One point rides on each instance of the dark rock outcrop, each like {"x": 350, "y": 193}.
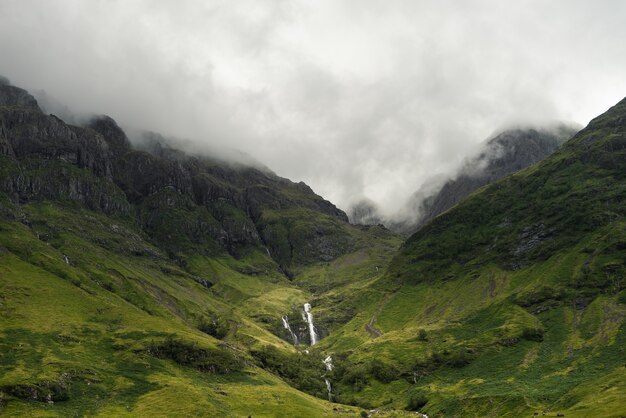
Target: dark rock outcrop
{"x": 15, "y": 96}
{"x": 183, "y": 202}
{"x": 112, "y": 134}
{"x": 48, "y": 159}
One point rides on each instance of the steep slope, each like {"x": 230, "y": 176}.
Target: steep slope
{"x": 148, "y": 282}
{"x": 512, "y": 303}
{"x": 216, "y": 205}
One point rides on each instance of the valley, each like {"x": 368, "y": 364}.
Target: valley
{"x": 142, "y": 281}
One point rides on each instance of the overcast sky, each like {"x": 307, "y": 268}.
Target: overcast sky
{"x": 358, "y": 98}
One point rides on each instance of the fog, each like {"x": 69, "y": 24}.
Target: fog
{"x": 358, "y": 98}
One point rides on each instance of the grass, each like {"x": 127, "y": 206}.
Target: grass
{"x": 95, "y": 318}
{"x": 60, "y": 317}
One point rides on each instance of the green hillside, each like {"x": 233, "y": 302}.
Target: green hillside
{"x": 113, "y": 334}
{"x": 513, "y": 302}
{"x": 141, "y": 281}
{"x": 145, "y": 282}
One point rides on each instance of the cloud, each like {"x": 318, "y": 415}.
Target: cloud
{"x": 357, "y": 98}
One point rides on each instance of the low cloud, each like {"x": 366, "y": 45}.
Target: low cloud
{"x": 360, "y": 99}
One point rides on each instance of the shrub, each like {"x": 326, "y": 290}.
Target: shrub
{"x": 355, "y": 376}
{"x": 210, "y": 360}
{"x": 533, "y": 334}
{"x": 383, "y": 372}
{"x": 216, "y": 327}
{"x": 416, "y": 401}
{"x": 301, "y": 371}
{"x": 422, "y": 335}
{"x": 458, "y": 358}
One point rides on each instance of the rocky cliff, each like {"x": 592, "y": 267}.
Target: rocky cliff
{"x": 181, "y": 201}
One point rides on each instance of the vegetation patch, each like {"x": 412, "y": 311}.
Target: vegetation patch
{"x": 416, "y": 401}
{"x": 215, "y": 326}
{"x": 44, "y": 391}
{"x": 209, "y": 360}
{"x": 302, "y": 371}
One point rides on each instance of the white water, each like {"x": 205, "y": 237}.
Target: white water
{"x": 328, "y": 361}
{"x": 308, "y": 318}
{"x": 67, "y": 260}
{"x": 330, "y": 389}
{"x": 288, "y": 328}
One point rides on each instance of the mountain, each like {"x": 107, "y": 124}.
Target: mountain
{"x": 504, "y": 154}
{"x": 137, "y": 280}
{"x": 146, "y": 282}
{"x": 513, "y": 302}
{"x": 217, "y": 206}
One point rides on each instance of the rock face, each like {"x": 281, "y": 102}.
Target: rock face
{"x": 181, "y": 201}
{"x": 44, "y": 158}
{"x": 15, "y": 96}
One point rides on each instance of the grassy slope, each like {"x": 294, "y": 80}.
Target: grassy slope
{"x": 87, "y": 324}
{"x": 511, "y": 303}
{"x": 93, "y": 303}
{"x": 92, "y": 319}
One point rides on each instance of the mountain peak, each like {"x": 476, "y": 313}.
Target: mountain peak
{"x": 112, "y": 133}
{"x": 615, "y": 117}
{"x": 15, "y": 96}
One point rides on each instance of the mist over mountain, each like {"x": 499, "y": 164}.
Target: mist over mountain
{"x": 357, "y": 105}
{"x": 216, "y": 204}
{"x": 499, "y": 156}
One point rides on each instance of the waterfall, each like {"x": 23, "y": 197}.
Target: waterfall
{"x": 67, "y": 260}
{"x": 330, "y": 389}
{"x": 328, "y": 362}
{"x": 308, "y": 318}
{"x": 288, "y": 328}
